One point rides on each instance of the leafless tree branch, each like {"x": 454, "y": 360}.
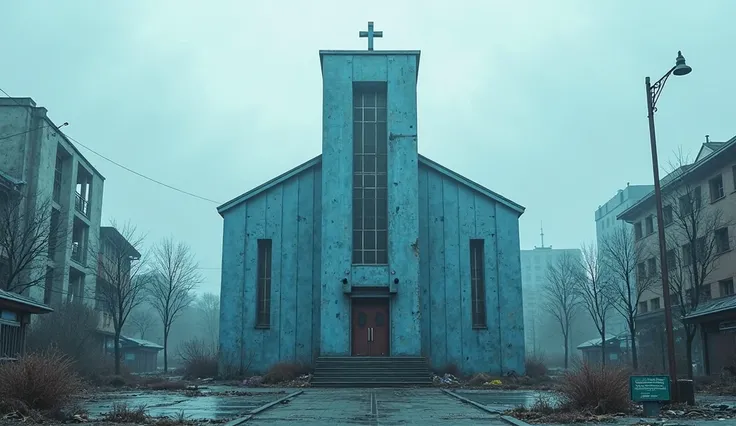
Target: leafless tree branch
{"x": 561, "y": 299}
{"x": 175, "y": 278}
{"x": 27, "y": 237}
{"x": 595, "y": 290}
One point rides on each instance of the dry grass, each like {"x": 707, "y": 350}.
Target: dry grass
{"x": 41, "y": 381}
{"x": 122, "y": 413}
{"x": 200, "y": 361}
{"x": 601, "y": 389}
{"x": 284, "y": 372}
{"x": 535, "y": 367}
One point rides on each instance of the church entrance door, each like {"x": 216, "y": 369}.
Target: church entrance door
{"x": 370, "y": 325}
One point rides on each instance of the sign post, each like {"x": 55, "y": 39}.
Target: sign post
{"x": 651, "y": 391}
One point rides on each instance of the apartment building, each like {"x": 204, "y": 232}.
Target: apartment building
{"x": 46, "y": 169}
{"x": 607, "y": 225}
{"x": 699, "y": 213}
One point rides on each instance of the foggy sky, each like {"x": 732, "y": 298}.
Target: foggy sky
{"x": 540, "y": 101}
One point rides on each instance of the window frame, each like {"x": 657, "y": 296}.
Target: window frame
{"x": 722, "y": 188}
{"x": 264, "y": 274}
{"x": 479, "y": 311}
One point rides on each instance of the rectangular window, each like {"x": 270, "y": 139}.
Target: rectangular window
{"x": 654, "y": 303}
{"x": 650, "y": 225}
{"x": 723, "y": 243}
{"x": 690, "y": 202}
{"x": 477, "y": 283}
{"x": 57, "y": 177}
{"x": 705, "y": 294}
{"x": 53, "y": 233}
{"x": 641, "y": 270}
{"x": 637, "y": 231}
{"x": 671, "y": 260}
{"x": 687, "y": 254}
{"x": 667, "y": 215}
{"x": 48, "y": 285}
{"x": 263, "y": 292}
{"x": 725, "y": 287}
{"x": 643, "y": 308}
{"x": 370, "y": 176}
{"x": 652, "y": 266}
{"x": 716, "y": 188}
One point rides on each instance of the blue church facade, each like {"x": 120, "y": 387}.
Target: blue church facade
{"x": 371, "y": 249}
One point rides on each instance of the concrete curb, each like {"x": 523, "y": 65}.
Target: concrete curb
{"x": 264, "y": 407}
{"x": 507, "y": 419}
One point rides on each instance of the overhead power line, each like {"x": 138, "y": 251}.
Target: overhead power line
{"x": 128, "y": 169}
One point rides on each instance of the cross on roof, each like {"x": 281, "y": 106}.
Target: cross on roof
{"x": 370, "y": 34}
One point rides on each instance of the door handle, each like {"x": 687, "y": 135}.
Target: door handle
{"x": 370, "y": 334}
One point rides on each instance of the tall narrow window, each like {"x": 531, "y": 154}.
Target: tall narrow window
{"x": 57, "y": 177}
{"x": 370, "y": 170}
{"x": 263, "y": 293}
{"x": 477, "y": 283}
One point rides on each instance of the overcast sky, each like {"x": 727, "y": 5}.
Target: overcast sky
{"x": 541, "y": 101}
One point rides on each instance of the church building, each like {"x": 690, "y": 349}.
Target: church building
{"x": 371, "y": 249}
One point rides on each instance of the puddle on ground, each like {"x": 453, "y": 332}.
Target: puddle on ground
{"x": 169, "y": 404}
{"x": 507, "y": 400}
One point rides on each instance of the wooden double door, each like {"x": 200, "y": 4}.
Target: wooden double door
{"x": 370, "y": 327}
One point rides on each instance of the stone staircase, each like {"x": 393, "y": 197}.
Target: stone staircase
{"x": 371, "y": 372}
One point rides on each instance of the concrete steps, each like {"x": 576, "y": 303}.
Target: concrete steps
{"x": 371, "y": 372}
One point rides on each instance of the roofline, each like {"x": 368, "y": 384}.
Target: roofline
{"x": 416, "y": 53}
{"x": 76, "y": 150}
{"x": 25, "y": 303}
{"x": 422, "y": 160}
{"x": 120, "y": 236}
{"x": 265, "y": 186}
{"x": 627, "y": 215}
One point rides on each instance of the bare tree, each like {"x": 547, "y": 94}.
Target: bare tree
{"x": 561, "y": 298}
{"x": 171, "y": 290}
{"x": 142, "y": 321}
{"x": 697, "y": 235}
{"x": 29, "y": 234}
{"x": 620, "y": 256}
{"x": 595, "y": 292}
{"x": 120, "y": 282}
{"x": 209, "y": 305}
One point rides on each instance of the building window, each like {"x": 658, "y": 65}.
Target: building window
{"x": 667, "y": 215}
{"x": 716, "y": 188}
{"x": 53, "y": 233}
{"x": 637, "y": 231}
{"x": 671, "y": 260}
{"x": 649, "y": 221}
{"x": 687, "y": 254}
{"x": 641, "y": 270}
{"x": 477, "y": 283}
{"x": 654, "y": 303}
{"x": 652, "y": 266}
{"x": 57, "y": 177}
{"x": 370, "y": 174}
{"x": 48, "y": 287}
{"x": 705, "y": 294}
{"x": 722, "y": 240}
{"x": 643, "y": 308}
{"x": 690, "y": 202}
{"x": 263, "y": 296}
{"x": 725, "y": 287}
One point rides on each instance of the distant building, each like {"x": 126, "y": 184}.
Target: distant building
{"x": 15, "y": 315}
{"x": 618, "y": 349}
{"x": 704, "y": 194}
{"x": 537, "y": 324}
{"x": 138, "y": 355}
{"x": 606, "y": 223}
{"x": 41, "y": 166}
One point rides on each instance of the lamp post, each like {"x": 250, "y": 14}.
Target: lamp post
{"x": 653, "y": 92}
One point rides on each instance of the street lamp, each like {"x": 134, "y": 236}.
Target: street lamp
{"x": 653, "y": 92}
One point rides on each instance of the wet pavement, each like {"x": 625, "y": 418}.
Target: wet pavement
{"x": 507, "y": 399}
{"x": 171, "y": 404}
{"x": 375, "y": 407}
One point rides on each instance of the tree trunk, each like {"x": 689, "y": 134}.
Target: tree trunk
{"x": 117, "y": 352}
{"x": 634, "y": 354}
{"x": 566, "y": 349}
{"x": 166, "y": 351}
{"x": 603, "y": 344}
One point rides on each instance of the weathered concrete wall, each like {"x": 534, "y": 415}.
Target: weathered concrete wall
{"x": 450, "y": 215}
{"x": 288, "y": 215}
{"x": 340, "y": 70}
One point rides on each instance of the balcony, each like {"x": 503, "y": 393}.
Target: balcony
{"x": 81, "y": 205}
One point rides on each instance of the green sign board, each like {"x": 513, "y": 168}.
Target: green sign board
{"x": 649, "y": 388}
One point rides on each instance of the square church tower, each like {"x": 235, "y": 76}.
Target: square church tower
{"x": 371, "y": 249}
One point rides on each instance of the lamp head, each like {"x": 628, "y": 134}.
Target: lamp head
{"x": 681, "y": 68}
